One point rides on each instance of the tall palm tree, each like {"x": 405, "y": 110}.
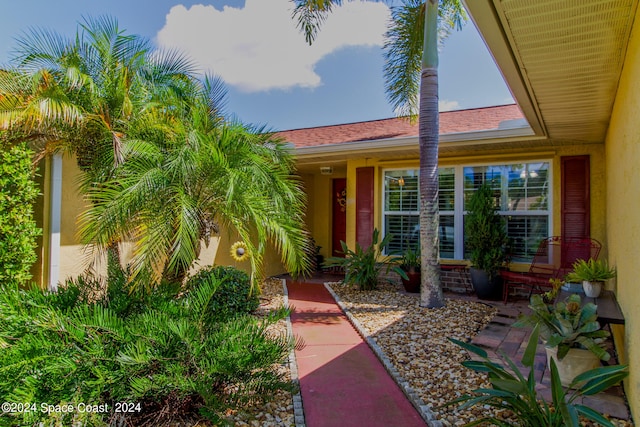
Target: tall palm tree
{"x": 411, "y": 76}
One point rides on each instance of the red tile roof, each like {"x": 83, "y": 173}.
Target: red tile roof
{"x": 471, "y": 120}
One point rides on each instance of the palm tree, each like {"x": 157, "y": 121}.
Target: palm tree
{"x": 411, "y": 74}
{"x": 169, "y": 196}
{"x": 162, "y": 164}
{"x": 82, "y": 95}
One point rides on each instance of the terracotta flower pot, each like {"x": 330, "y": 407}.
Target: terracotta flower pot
{"x": 413, "y": 284}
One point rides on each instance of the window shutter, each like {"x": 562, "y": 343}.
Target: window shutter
{"x": 364, "y": 205}
{"x": 575, "y": 209}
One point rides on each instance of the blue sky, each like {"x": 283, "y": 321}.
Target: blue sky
{"x": 273, "y": 77}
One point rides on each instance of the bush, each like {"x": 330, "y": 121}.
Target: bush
{"x": 18, "y": 230}
{"x": 362, "y": 266}
{"x": 233, "y": 294}
{"x": 165, "y": 354}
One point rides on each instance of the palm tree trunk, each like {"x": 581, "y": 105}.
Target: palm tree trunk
{"x": 430, "y": 290}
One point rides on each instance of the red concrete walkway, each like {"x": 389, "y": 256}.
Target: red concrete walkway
{"x": 342, "y": 383}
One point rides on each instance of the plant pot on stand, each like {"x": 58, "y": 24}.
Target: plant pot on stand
{"x": 592, "y": 273}
{"x": 592, "y": 289}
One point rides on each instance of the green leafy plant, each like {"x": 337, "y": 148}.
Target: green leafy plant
{"x": 163, "y": 351}
{"x": 362, "y": 267}
{"x": 591, "y": 270}
{"x": 233, "y": 296}
{"x": 410, "y": 258}
{"x": 18, "y": 231}
{"x": 567, "y": 324}
{"x": 485, "y": 233}
{"x": 514, "y": 392}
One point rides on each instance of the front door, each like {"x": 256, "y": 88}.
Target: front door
{"x": 339, "y": 230}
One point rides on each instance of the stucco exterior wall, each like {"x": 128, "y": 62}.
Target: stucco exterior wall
{"x": 623, "y": 212}
{"x": 553, "y": 153}
{"x": 76, "y": 258}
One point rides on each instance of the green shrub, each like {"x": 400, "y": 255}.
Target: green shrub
{"x": 165, "y": 353}
{"x": 233, "y": 295}
{"x": 18, "y": 230}
{"x": 516, "y": 391}
{"x": 362, "y": 266}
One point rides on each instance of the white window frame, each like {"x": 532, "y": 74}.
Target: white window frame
{"x": 459, "y": 211}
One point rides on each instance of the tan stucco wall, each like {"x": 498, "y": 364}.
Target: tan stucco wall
{"x": 623, "y": 212}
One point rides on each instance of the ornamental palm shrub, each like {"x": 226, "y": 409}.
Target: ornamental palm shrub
{"x": 168, "y": 355}
{"x": 18, "y": 231}
{"x": 233, "y": 294}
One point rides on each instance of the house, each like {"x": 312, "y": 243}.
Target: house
{"x": 564, "y": 160}
{"x": 569, "y": 168}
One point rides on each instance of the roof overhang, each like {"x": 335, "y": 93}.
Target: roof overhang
{"x": 407, "y": 146}
{"x": 561, "y": 59}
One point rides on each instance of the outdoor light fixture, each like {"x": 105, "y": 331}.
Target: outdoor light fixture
{"x": 326, "y": 170}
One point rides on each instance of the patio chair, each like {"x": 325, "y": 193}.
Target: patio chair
{"x": 553, "y": 260}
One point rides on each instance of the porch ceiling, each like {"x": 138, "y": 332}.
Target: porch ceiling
{"x": 561, "y": 58}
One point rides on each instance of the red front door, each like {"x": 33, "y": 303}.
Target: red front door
{"x": 339, "y": 229}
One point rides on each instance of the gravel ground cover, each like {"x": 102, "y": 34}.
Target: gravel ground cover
{"x": 279, "y": 410}
{"x": 414, "y": 340}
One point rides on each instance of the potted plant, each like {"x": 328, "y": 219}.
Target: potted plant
{"x": 592, "y": 273}
{"x": 362, "y": 266}
{"x": 571, "y": 333}
{"x": 486, "y": 239}
{"x": 410, "y": 264}
{"x": 516, "y": 391}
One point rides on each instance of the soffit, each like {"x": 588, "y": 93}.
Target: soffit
{"x": 562, "y": 59}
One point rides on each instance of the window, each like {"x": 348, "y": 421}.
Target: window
{"x": 402, "y": 210}
{"x": 522, "y": 191}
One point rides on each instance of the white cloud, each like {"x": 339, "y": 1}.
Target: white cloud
{"x": 258, "y": 47}
{"x": 446, "y": 105}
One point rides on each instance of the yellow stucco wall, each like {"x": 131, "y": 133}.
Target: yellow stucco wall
{"x": 597, "y": 183}
{"x": 75, "y": 258}
{"x": 623, "y": 211}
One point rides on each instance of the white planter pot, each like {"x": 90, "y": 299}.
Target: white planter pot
{"x": 592, "y": 289}
{"x": 573, "y": 364}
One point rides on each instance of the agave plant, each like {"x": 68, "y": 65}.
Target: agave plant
{"x": 514, "y": 392}
{"x": 567, "y": 324}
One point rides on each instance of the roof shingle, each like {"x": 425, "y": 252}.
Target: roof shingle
{"x": 470, "y": 120}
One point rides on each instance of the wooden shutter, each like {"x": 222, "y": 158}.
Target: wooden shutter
{"x": 575, "y": 209}
{"x": 364, "y": 205}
